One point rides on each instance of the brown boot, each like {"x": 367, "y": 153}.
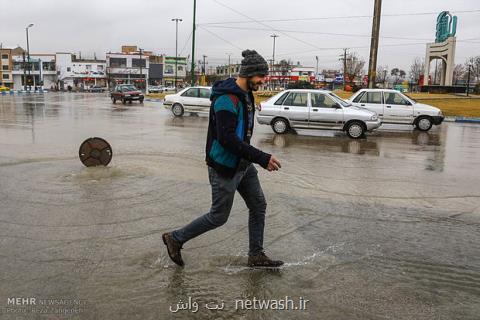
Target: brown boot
{"x": 261, "y": 260}
{"x": 173, "y": 248}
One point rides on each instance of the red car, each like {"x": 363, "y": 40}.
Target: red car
{"x": 126, "y": 92}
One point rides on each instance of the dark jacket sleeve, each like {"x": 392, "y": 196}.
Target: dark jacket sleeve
{"x": 226, "y": 123}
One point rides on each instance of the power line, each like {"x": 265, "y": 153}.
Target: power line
{"x": 342, "y": 17}
{"x": 319, "y": 33}
{"x": 186, "y": 42}
{"x": 268, "y": 26}
{"x": 223, "y": 39}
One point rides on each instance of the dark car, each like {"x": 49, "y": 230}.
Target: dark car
{"x": 126, "y": 92}
{"x": 96, "y": 89}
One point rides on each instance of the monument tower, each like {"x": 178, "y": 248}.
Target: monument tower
{"x": 443, "y": 48}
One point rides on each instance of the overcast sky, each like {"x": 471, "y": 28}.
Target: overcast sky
{"x": 320, "y": 28}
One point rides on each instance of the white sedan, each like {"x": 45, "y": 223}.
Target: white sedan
{"x": 394, "y": 107}
{"x": 193, "y": 99}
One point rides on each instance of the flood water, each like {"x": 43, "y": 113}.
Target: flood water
{"x": 386, "y": 227}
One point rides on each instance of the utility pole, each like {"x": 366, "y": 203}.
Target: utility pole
{"x": 176, "y": 48}
{"x": 193, "y": 43}
{"x": 344, "y": 59}
{"x": 372, "y": 63}
{"x": 274, "y": 36}
{"x": 468, "y": 80}
{"x": 141, "y": 74}
{"x": 28, "y": 54}
{"x": 316, "y": 70}
{"x": 204, "y": 65}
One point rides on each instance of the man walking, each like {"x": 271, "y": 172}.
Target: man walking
{"x": 230, "y": 159}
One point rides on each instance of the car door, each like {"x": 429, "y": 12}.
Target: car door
{"x": 189, "y": 98}
{"x": 325, "y": 113}
{"x": 397, "y": 109}
{"x": 371, "y": 100}
{"x": 204, "y": 98}
{"x": 295, "y": 109}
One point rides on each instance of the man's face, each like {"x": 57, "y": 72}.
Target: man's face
{"x": 255, "y": 82}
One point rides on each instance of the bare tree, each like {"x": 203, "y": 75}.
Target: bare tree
{"x": 459, "y": 73}
{"x": 416, "y": 69}
{"x": 354, "y": 66}
{"x": 381, "y": 76}
{"x": 474, "y": 63}
{"x": 397, "y": 74}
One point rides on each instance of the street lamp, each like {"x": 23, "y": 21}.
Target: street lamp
{"x": 176, "y": 48}
{"x": 28, "y": 55}
{"x": 229, "y": 68}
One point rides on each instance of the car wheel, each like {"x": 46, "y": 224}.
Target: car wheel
{"x": 114, "y": 100}
{"x": 355, "y": 130}
{"x": 141, "y": 100}
{"x": 177, "y": 110}
{"x": 424, "y": 123}
{"x": 280, "y": 125}
{"x": 124, "y": 101}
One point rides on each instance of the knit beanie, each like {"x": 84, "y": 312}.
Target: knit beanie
{"x": 253, "y": 64}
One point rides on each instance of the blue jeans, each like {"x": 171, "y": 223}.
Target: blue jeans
{"x": 223, "y": 190}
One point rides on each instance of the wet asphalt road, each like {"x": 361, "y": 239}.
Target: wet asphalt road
{"x": 387, "y": 227}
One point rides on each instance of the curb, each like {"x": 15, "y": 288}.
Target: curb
{"x": 467, "y": 120}
{"x": 462, "y": 119}
{"x": 21, "y": 92}
{"x": 153, "y": 99}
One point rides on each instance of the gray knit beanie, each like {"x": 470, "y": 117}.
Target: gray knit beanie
{"x": 253, "y": 64}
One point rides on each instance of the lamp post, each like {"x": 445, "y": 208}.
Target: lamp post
{"x": 176, "y": 48}
{"x": 28, "y": 55}
{"x": 229, "y": 68}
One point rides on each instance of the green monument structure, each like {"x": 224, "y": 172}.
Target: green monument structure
{"x": 443, "y": 48}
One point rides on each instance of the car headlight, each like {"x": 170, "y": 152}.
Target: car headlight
{"x": 374, "y": 117}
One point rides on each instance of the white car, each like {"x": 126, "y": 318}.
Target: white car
{"x": 395, "y": 107}
{"x": 315, "y": 109}
{"x": 193, "y": 99}
{"x": 156, "y": 89}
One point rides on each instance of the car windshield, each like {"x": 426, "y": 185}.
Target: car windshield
{"x": 339, "y": 100}
{"x": 413, "y": 100}
{"x": 128, "y": 88}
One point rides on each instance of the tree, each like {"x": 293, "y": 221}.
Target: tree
{"x": 381, "y": 76}
{"x": 459, "y": 73}
{"x": 474, "y": 63}
{"x": 397, "y": 74}
{"x": 417, "y": 68}
{"x": 354, "y": 66}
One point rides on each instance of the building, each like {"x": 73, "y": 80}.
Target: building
{"x": 226, "y": 71}
{"x": 155, "y": 72}
{"x": 6, "y": 67}
{"x": 169, "y": 71}
{"x": 38, "y": 72}
{"x": 129, "y": 66}
{"x": 79, "y": 73}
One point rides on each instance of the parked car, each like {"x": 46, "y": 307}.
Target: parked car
{"x": 126, "y": 92}
{"x": 315, "y": 109}
{"x": 156, "y": 89}
{"x": 194, "y": 99}
{"x": 96, "y": 89}
{"x": 395, "y": 107}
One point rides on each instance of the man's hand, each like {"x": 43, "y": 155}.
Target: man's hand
{"x": 273, "y": 164}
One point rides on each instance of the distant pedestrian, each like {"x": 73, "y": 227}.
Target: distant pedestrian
{"x": 230, "y": 159}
